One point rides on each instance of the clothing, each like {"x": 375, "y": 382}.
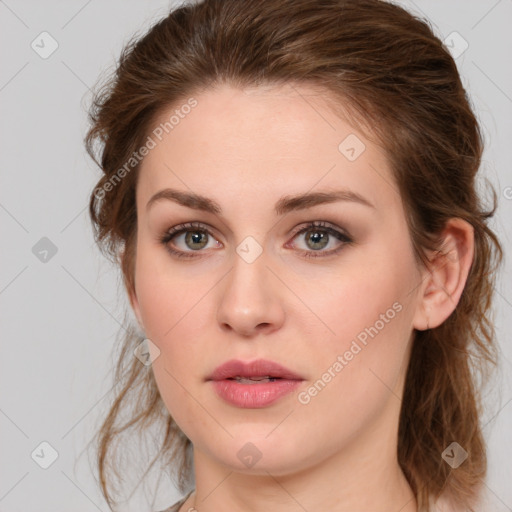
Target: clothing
{"x": 441, "y": 505}
{"x": 176, "y": 506}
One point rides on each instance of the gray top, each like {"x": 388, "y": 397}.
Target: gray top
{"x": 176, "y": 506}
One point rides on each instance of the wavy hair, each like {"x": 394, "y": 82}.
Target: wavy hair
{"x": 388, "y": 72}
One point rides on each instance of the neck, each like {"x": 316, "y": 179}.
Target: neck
{"x": 363, "y": 475}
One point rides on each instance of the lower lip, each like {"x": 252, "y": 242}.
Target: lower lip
{"x": 253, "y": 396}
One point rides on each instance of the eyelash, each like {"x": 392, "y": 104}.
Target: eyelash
{"x": 197, "y": 226}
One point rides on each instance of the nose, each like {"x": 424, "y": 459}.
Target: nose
{"x": 251, "y": 299}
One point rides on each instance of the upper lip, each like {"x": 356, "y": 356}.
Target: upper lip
{"x": 258, "y": 368}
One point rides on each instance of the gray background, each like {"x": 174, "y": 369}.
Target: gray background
{"x": 60, "y": 317}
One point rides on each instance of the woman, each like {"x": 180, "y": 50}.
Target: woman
{"x": 289, "y": 189}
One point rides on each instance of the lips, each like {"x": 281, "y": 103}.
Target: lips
{"x": 253, "y": 385}
{"x": 257, "y": 371}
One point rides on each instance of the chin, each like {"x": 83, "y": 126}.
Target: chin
{"x": 255, "y": 452}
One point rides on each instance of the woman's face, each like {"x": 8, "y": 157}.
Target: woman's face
{"x": 335, "y": 303}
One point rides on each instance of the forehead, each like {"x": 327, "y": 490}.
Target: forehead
{"x": 262, "y": 142}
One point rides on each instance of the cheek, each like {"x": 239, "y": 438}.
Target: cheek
{"x": 368, "y": 302}
{"x": 357, "y": 371}
{"x": 369, "y": 280}
{"x": 174, "y": 307}
{"x": 369, "y": 314}
{"x": 174, "y": 319}
{"x": 170, "y": 300}
{"x": 370, "y": 336}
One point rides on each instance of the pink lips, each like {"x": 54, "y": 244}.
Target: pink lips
{"x": 255, "y": 384}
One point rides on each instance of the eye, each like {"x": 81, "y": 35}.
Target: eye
{"x": 320, "y": 235}
{"x": 189, "y": 238}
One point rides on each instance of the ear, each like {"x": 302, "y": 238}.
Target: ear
{"x": 444, "y": 280}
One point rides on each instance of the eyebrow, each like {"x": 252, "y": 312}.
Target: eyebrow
{"x": 284, "y": 205}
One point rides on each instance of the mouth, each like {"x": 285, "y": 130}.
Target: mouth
{"x": 257, "y": 371}
{"x": 254, "y": 380}
{"x": 253, "y": 385}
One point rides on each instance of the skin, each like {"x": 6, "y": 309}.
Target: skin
{"x": 246, "y": 149}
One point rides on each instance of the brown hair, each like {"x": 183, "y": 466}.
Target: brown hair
{"x": 398, "y": 82}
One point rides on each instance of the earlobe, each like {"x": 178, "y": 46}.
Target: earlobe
{"x": 446, "y": 276}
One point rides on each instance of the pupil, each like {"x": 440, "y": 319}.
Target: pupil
{"x": 196, "y": 237}
{"x": 318, "y": 239}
